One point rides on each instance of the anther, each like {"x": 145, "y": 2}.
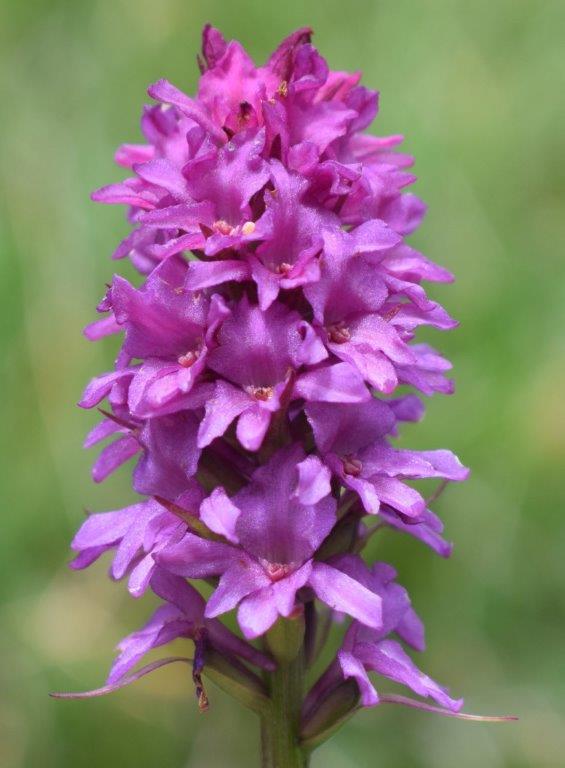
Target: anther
{"x": 352, "y": 466}
{"x": 222, "y": 227}
{"x": 339, "y": 333}
{"x": 261, "y": 393}
{"x": 189, "y": 358}
{"x": 277, "y": 571}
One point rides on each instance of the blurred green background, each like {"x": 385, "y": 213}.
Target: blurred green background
{"x": 477, "y": 87}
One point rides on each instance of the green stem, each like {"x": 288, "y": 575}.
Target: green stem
{"x": 280, "y": 725}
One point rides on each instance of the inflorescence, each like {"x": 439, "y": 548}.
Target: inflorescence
{"x": 256, "y": 381}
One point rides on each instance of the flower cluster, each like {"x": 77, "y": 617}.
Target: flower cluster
{"x": 256, "y": 380}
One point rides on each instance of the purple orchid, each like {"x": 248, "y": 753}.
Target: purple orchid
{"x": 366, "y": 649}
{"x": 277, "y": 522}
{"x": 169, "y": 329}
{"x": 352, "y": 440}
{"x": 256, "y": 388}
{"x": 181, "y": 615}
{"x": 260, "y": 356}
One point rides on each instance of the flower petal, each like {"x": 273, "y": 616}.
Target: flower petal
{"x": 342, "y": 593}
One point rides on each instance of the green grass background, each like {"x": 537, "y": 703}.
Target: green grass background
{"x": 477, "y": 87}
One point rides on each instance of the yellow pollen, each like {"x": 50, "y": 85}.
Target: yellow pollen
{"x": 248, "y": 228}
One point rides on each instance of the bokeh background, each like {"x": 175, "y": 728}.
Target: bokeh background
{"x": 477, "y": 87}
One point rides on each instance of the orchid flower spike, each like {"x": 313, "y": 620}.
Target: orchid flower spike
{"x": 256, "y": 390}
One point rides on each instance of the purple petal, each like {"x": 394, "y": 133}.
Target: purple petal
{"x": 99, "y": 329}
{"x": 164, "y": 174}
{"x": 390, "y": 660}
{"x": 243, "y": 578}
{"x": 170, "y": 456}
{"x": 165, "y": 625}
{"x": 427, "y": 528}
{"x": 182, "y": 216}
{"x": 220, "y": 514}
{"x": 141, "y": 575}
{"x": 313, "y": 481}
{"x": 206, "y": 274}
{"x": 257, "y": 613}
{"x": 177, "y": 591}
{"x": 197, "y": 558}
{"x": 113, "y": 456}
{"x": 284, "y": 591}
{"x": 100, "y": 387}
{"x": 105, "y": 528}
{"x": 398, "y": 495}
{"x": 164, "y": 91}
{"x": 252, "y": 427}
{"x": 105, "y": 428}
{"x": 367, "y": 492}
{"x": 226, "y": 403}
{"x": 353, "y": 668}
{"x": 339, "y": 383}
{"x": 342, "y": 593}
{"x": 411, "y": 629}
{"x": 346, "y": 429}
{"x": 274, "y": 525}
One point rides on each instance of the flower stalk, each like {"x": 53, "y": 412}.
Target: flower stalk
{"x": 280, "y": 728}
